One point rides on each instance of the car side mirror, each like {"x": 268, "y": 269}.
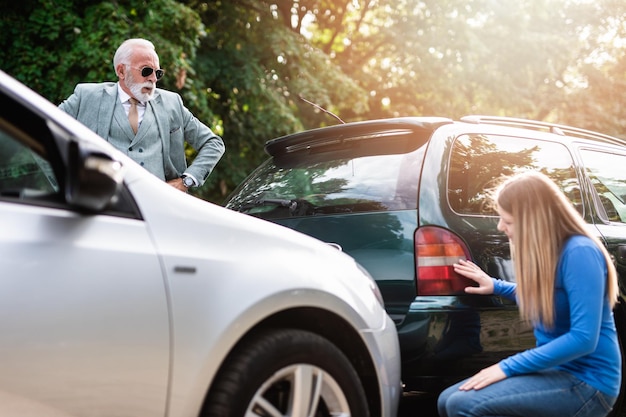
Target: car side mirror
{"x": 94, "y": 179}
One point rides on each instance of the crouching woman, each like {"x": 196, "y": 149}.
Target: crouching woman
{"x": 566, "y": 288}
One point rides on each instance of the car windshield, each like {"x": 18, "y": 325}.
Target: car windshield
{"x": 328, "y": 186}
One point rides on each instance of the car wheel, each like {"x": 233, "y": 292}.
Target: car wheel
{"x": 287, "y": 372}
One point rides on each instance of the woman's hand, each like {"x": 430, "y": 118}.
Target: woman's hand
{"x": 472, "y": 271}
{"x": 484, "y": 378}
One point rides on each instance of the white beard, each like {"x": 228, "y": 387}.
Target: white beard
{"x": 135, "y": 88}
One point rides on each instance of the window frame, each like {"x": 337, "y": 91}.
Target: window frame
{"x": 599, "y": 207}
{"x": 46, "y": 138}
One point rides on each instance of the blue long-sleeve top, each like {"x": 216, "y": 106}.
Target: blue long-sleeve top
{"x": 583, "y": 340}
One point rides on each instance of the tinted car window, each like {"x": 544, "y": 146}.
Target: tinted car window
{"x": 346, "y": 185}
{"x": 607, "y": 174}
{"x": 478, "y": 161}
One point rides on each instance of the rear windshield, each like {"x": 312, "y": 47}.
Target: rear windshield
{"x": 330, "y": 184}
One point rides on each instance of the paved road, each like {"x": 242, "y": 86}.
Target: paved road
{"x": 417, "y": 405}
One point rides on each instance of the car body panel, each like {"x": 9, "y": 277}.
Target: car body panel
{"x": 386, "y": 254}
{"x": 83, "y": 313}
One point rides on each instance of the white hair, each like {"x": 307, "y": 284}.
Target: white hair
{"x": 125, "y": 50}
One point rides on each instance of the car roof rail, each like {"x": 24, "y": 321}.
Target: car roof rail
{"x": 562, "y": 130}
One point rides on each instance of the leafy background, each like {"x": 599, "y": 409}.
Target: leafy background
{"x": 244, "y": 67}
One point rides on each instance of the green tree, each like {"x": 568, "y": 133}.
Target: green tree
{"x": 251, "y": 68}
{"x": 238, "y": 67}
{"x": 261, "y": 71}
{"x": 425, "y": 57}
{"x": 453, "y": 57}
{"x": 598, "y": 80}
{"x": 53, "y": 45}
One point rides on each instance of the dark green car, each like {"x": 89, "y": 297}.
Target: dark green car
{"x": 406, "y": 198}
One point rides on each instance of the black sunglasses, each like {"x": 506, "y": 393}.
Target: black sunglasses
{"x": 146, "y": 71}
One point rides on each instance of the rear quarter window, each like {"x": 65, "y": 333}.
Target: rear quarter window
{"x": 477, "y": 162}
{"x": 607, "y": 173}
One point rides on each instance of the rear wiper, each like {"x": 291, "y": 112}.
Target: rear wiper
{"x": 268, "y": 202}
{"x": 296, "y": 206}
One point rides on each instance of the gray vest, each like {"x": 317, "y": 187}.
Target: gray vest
{"x": 145, "y": 148}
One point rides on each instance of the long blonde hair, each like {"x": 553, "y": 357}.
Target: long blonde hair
{"x": 543, "y": 221}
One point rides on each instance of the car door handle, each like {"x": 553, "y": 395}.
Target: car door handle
{"x": 181, "y": 269}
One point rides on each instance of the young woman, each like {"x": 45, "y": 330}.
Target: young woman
{"x": 566, "y": 288}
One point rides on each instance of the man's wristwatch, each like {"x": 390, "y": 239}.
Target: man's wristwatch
{"x": 188, "y": 181}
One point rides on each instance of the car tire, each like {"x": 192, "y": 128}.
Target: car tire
{"x": 287, "y": 372}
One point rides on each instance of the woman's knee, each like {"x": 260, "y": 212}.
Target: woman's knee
{"x": 453, "y": 402}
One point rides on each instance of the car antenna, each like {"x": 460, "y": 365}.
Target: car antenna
{"x": 322, "y": 109}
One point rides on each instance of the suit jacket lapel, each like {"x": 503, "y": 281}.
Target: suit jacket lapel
{"x": 162, "y": 122}
{"x": 105, "y": 114}
{"x": 120, "y": 119}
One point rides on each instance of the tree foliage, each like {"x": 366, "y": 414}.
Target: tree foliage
{"x": 53, "y": 45}
{"x": 456, "y": 57}
{"x": 254, "y": 69}
{"x": 259, "y": 69}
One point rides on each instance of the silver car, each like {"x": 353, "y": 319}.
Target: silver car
{"x": 121, "y": 296}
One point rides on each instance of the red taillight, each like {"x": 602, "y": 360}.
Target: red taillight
{"x": 436, "y": 250}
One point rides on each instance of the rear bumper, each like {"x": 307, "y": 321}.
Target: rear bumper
{"x": 444, "y": 339}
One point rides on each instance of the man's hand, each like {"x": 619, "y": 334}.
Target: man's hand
{"x": 178, "y": 184}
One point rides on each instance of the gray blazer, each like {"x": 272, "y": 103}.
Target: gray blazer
{"x": 93, "y": 105}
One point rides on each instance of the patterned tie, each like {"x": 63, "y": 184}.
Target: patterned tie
{"x": 133, "y": 116}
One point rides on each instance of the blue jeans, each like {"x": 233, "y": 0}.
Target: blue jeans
{"x": 549, "y": 394}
